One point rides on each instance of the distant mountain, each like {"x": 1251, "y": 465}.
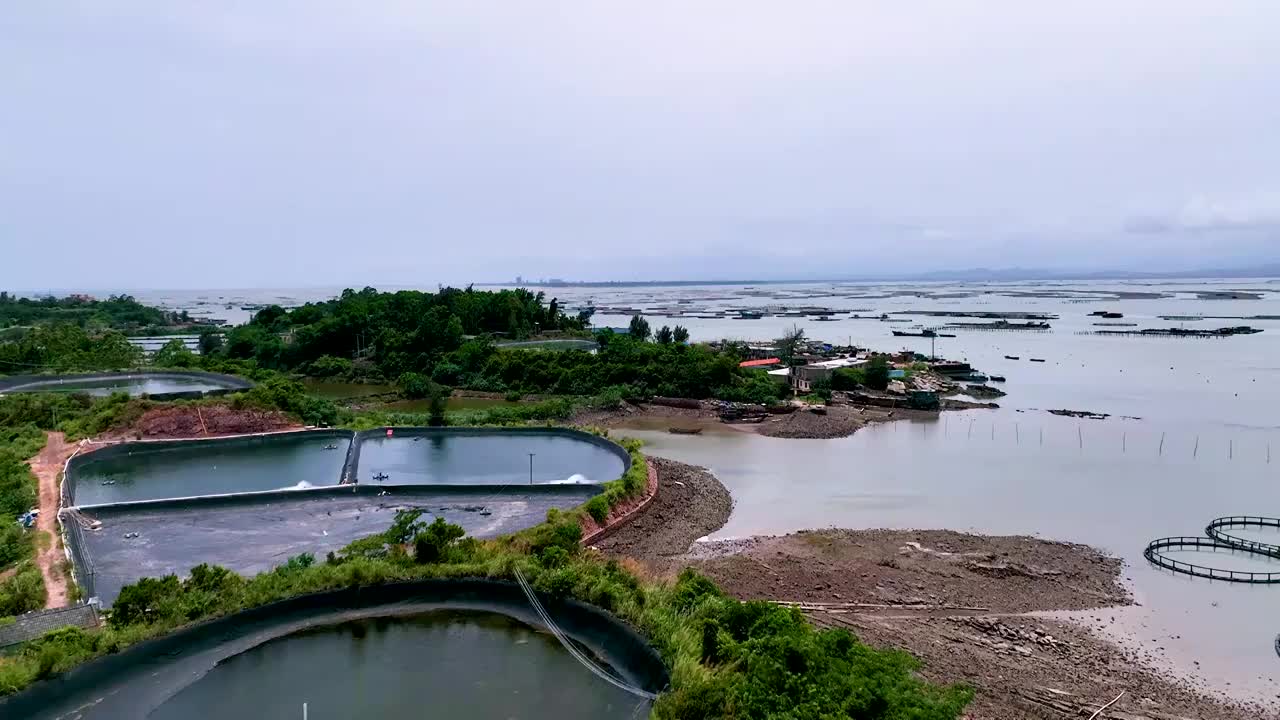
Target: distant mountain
{"x": 968, "y": 275}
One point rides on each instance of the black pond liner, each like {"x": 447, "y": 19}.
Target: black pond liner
{"x": 136, "y": 680}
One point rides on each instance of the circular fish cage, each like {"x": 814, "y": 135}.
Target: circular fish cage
{"x": 1218, "y": 530}
{"x": 1157, "y": 549}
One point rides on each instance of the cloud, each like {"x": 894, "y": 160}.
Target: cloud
{"x": 1251, "y": 212}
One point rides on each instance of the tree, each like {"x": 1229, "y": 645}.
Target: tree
{"x": 174, "y": 354}
{"x": 437, "y": 404}
{"x": 680, "y": 334}
{"x": 876, "y": 373}
{"x": 433, "y": 544}
{"x": 789, "y": 348}
{"x": 210, "y": 342}
{"x": 639, "y": 328}
{"x": 664, "y": 335}
{"x": 789, "y": 345}
{"x": 414, "y": 385}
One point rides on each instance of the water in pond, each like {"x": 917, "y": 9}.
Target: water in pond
{"x": 157, "y": 470}
{"x": 335, "y": 390}
{"x": 487, "y": 458}
{"x": 452, "y": 404}
{"x": 438, "y": 665}
{"x": 133, "y": 386}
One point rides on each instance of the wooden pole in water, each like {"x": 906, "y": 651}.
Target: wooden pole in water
{"x": 1041, "y": 436}
{"x": 993, "y": 431}
{"x": 1231, "y": 448}
{"x": 1017, "y": 436}
{"x": 1124, "y": 442}
{"x": 531, "y": 468}
{"x": 1162, "y": 443}
{"x": 1080, "y": 436}
{"x": 970, "y": 435}
{"x": 1196, "y": 450}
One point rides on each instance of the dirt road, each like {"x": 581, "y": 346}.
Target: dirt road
{"x": 47, "y": 465}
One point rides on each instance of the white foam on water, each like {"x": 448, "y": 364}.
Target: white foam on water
{"x": 574, "y": 479}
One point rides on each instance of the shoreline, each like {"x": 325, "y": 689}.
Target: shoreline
{"x": 992, "y": 612}
{"x": 834, "y": 421}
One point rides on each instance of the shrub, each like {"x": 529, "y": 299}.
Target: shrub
{"x": 876, "y": 373}
{"x": 433, "y": 543}
{"x": 598, "y": 508}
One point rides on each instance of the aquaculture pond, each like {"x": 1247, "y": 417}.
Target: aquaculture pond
{"x": 164, "y": 470}
{"x": 487, "y": 458}
{"x": 132, "y": 385}
{"x": 446, "y": 664}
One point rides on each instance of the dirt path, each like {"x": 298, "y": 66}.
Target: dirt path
{"x": 49, "y": 556}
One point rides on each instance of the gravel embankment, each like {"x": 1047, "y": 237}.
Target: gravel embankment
{"x": 690, "y": 504}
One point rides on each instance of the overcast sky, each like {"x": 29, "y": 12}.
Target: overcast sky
{"x": 316, "y": 143}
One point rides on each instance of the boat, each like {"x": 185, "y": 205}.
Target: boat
{"x": 684, "y": 431}
{"x": 330, "y": 446}
{"x": 1037, "y": 359}
{"x": 381, "y": 476}
{"x": 976, "y": 377}
{"x": 996, "y": 378}
{"x": 922, "y": 333}
{"x": 1012, "y": 357}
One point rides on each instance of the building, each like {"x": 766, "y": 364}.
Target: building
{"x": 806, "y": 374}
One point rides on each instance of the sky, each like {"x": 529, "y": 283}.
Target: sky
{"x": 305, "y": 143}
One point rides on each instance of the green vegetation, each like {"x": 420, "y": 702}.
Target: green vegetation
{"x": 876, "y": 373}
{"x": 23, "y": 591}
{"x": 120, "y": 312}
{"x": 389, "y": 334}
{"x": 727, "y": 658}
{"x": 66, "y": 348}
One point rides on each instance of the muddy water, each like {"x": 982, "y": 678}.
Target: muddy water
{"x": 1105, "y": 483}
{"x": 444, "y": 664}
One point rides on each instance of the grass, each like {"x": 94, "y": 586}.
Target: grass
{"x": 727, "y": 659}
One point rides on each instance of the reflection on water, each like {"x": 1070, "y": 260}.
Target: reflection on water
{"x": 158, "y": 471}
{"x": 131, "y": 386}
{"x": 1115, "y": 484}
{"x": 459, "y": 458}
{"x": 444, "y": 664}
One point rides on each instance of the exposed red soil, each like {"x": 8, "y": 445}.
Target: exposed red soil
{"x": 191, "y": 421}
{"x": 47, "y": 465}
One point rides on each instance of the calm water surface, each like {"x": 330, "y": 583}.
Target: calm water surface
{"x": 1205, "y": 440}
{"x": 439, "y": 665}
{"x": 132, "y": 386}
{"x": 487, "y": 459}
{"x": 158, "y": 471}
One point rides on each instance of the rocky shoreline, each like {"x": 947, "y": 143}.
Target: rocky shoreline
{"x": 973, "y": 609}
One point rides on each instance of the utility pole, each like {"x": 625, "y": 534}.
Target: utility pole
{"x": 531, "y": 467}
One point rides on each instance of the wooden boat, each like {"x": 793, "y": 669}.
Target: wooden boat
{"x": 684, "y": 431}
{"x": 1037, "y": 359}
{"x": 1012, "y": 357}
{"x": 996, "y": 378}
